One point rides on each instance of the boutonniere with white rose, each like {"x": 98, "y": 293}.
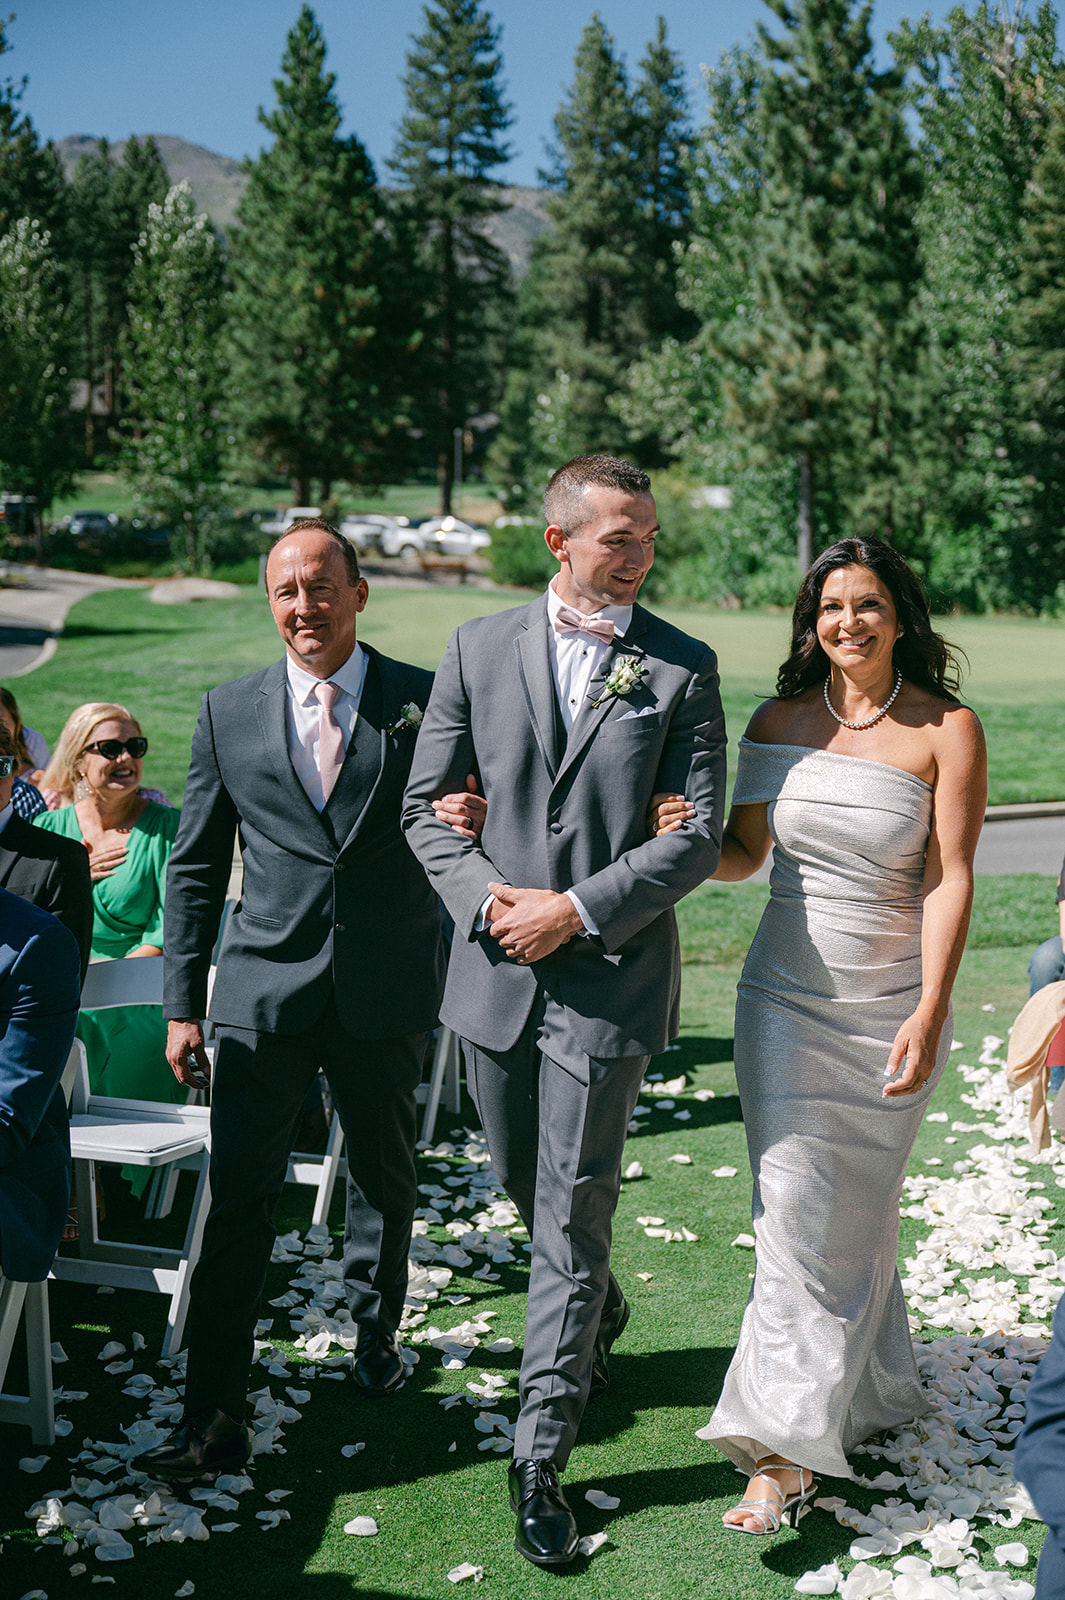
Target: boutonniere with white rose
{"x": 410, "y": 716}
{"x": 622, "y": 679}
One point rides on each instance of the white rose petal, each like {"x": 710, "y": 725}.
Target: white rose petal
{"x": 601, "y": 1501}
{"x": 32, "y": 1463}
{"x": 364, "y": 1527}
{"x": 724, "y": 1172}
{"x": 186, "y": 1589}
{"x": 825, "y": 1580}
{"x": 591, "y": 1543}
{"x": 1015, "y": 1555}
{"x": 465, "y": 1570}
{"x": 745, "y": 1241}
{"x": 682, "y": 1161}
{"x": 634, "y": 1170}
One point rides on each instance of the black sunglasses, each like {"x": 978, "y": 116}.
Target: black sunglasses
{"x": 7, "y": 765}
{"x": 111, "y": 749}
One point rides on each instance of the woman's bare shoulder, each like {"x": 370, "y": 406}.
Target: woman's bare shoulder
{"x": 774, "y": 721}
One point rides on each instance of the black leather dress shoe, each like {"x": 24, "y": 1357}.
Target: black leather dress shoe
{"x": 546, "y": 1532}
{"x": 203, "y": 1444}
{"x": 377, "y": 1366}
{"x": 611, "y": 1326}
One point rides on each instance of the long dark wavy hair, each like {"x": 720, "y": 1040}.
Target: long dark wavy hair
{"x": 923, "y": 656}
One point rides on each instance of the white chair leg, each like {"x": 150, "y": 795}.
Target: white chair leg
{"x": 330, "y": 1167}
{"x": 454, "y": 1073}
{"x": 28, "y": 1302}
{"x": 179, "y": 1299}
{"x": 445, "y": 1064}
{"x": 12, "y": 1296}
{"x": 41, "y": 1416}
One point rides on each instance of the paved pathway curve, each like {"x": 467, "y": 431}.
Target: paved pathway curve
{"x": 33, "y": 610}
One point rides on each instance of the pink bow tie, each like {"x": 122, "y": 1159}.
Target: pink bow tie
{"x": 569, "y": 621}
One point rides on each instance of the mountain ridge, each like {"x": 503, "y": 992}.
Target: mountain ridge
{"x": 217, "y": 183}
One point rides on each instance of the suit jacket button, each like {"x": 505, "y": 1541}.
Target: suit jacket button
{"x": 556, "y": 827}
{"x": 340, "y": 927}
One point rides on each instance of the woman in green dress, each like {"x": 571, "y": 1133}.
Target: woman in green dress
{"x": 96, "y": 773}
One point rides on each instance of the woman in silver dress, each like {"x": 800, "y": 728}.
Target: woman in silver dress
{"x": 868, "y": 777}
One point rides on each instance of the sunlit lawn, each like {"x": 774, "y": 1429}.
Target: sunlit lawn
{"x": 160, "y": 659}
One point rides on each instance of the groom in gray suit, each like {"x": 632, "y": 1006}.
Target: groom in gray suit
{"x": 565, "y": 970}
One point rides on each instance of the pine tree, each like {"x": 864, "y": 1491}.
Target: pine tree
{"x": 31, "y": 174}
{"x": 812, "y": 354}
{"x": 1038, "y": 338}
{"x": 449, "y": 143}
{"x": 663, "y": 137}
{"x": 601, "y": 287}
{"x": 109, "y": 203}
{"x": 36, "y": 447}
{"x": 981, "y": 83}
{"x": 317, "y": 346}
{"x": 175, "y": 438}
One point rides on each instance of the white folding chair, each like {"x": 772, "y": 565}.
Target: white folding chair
{"x": 139, "y": 1133}
{"x": 28, "y": 1303}
{"x": 320, "y": 1171}
{"x": 446, "y": 1070}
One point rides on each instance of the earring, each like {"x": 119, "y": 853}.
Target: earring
{"x": 81, "y": 787}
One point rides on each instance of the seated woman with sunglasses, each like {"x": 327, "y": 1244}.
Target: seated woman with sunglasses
{"x": 96, "y": 771}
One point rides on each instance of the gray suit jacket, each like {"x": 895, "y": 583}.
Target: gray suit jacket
{"x": 332, "y": 903}
{"x": 570, "y": 818}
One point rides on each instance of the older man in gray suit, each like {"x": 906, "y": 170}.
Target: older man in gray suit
{"x": 565, "y": 971}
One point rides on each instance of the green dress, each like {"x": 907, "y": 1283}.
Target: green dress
{"x": 125, "y": 1044}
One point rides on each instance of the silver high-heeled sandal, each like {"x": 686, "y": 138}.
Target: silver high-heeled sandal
{"x": 771, "y": 1513}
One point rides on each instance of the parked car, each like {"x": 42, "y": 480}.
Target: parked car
{"x": 453, "y": 537}
{"x": 371, "y": 531}
{"x": 286, "y": 517}
{"x": 90, "y": 524}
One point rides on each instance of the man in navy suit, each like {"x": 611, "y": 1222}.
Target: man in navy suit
{"x": 1039, "y": 1460}
{"x": 332, "y": 963}
{"x": 40, "y": 982}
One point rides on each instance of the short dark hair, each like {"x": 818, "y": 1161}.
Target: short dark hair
{"x": 319, "y": 525}
{"x": 922, "y": 656}
{"x": 564, "y": 505}
{"x": 10, "y": 705}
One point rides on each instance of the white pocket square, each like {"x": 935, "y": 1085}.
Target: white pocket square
{"x": 644, "y": 711}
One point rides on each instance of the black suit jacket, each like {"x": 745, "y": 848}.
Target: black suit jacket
{"x": 50, "y": 872}
{"x": 332, "y": 903}
{"x": 39, "y": 988}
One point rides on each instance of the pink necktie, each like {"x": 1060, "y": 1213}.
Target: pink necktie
{"x": 569, "y": 621}
{"x": 330, "y": 738}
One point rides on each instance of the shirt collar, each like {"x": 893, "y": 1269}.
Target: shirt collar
{"x": 620, "y": 616}
{"x": 347, "y": 678}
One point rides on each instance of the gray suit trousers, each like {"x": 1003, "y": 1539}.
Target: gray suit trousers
{"x": 556, "y": 1135}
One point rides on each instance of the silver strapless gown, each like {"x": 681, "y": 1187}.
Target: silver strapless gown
{"x": 824, "y": 1357}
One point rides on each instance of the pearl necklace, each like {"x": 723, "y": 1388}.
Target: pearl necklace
{"x": 868, "y": 723}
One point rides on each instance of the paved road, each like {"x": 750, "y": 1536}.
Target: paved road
{"x": 33, "y": 610}
{"x": 32, "y": 616}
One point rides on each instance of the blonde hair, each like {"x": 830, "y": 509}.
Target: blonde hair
{"x": 61, "y": 774}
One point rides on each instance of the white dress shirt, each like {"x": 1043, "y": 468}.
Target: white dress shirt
{"x": 576, "y": 657}
{"x": 304, "y": 714}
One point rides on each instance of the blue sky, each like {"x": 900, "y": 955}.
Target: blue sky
{"x": 201, "y": 68}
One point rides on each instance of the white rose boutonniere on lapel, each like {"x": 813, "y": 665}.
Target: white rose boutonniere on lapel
{"x": 622, "y": 679}
{"x": 410, "y": 716}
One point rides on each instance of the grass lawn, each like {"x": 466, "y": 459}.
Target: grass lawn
{"x": 160, "y": 659}
{"x": 437, "y": 1498}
